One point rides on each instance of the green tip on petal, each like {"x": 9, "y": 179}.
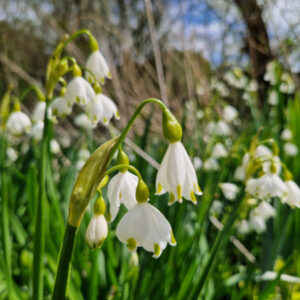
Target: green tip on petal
{"x": 131, "y": 244}
{"x": 193, "y": 197}
{"x": 173, "y": 241}
{"x": 179, "y": 193}
{"x": 159, "y": 188}
{"x": 172, "y": 199}
{"x": 157, "y": 250}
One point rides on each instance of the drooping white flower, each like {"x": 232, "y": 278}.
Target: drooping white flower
{"x": 286, "y": 134}
{"x": 244, "y": 227}
{"x": 83, "y": 154}
{"x": 37, "y": 130}
{"x": 197, "y": 162}
{"x": 96, "y": 231}
{"x": 18, "y": 123}
{"x": 177, "y": 175}
{"x": 229, "y": 190}
{"x": 12, "y": 154}
{"x": 83, "y": 121}
{"x": 39, "y": 112}
{"x": 219, "y": 151}
{"x": 211, "y": 164}
{"x": 287, "y": 85}
{"x": 218, "y": 128}
{"x": 270, "y": 74}
{"x": 61, "y": 107}
{"x": 80, "y": 91}
{"x": 290, "y": 149}
{"x": 273, "y": 98}
{"x": 257, "y": 223}
{"x": 97, "y": 64}
{"x": 292, "y": 196}
{"x": 266, "y": 186}
{"x": 239, "y": 173}
{"x": 103, "y": 109}
{"x": 54, "y": 147}
{"x": 121, "y": 189}
{"x": 229, "y": 113}
{"x": 265, "y": 210}
{"x": 216, "y": 207}
{"x": 145, "y": 226}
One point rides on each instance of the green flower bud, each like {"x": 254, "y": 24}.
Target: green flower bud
{"x": 99, "y": 206}
{"x": 171, "y": 127}
{"x": 142, "y": 192}
{"x": 63, "y": 67}
{"x": 122, "y": 159}
{"x": 76, "y": 70}
{"x": 93, "y": 44}
{"x": 287, "y": 175}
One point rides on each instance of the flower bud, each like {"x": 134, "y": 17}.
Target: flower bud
{"x": 99, "y": 206}
{"x": 63, "y": 67}
{"x": 93, "y": 44}
{"x": 122, "y": 159}
{"x": 96, "y": 232}
{"x": 142, "y": 192}
{"x": 76, "y": 70}
{"x": 171, "y": 127}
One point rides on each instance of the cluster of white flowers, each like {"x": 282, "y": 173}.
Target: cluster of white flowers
{"x": 265, "y": 186}
{"x": 143, "y": 225}
{"x": 236, "y": 78}
{"x": 289, "y": 148}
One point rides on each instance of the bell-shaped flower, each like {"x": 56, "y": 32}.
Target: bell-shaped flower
{"x": 290, "y": 149}
{"x": 229, "y": 113}
{"x": 83, "y": 121}
{"x": 257, "y": 223}
{"x": 102, "y": 109}
{"x": 39, "y": 112}
{"x": 96, "y": 232}
{"x": 219, "y": 151}
{"x": 145, "y": 226}
{"x": 121, "y": 189}
{"x": 80, "y": 91}
{"x": 61, "y": 107}
{"x": 266, "y": 186}
{"x": 244, "y": 227}
{"x": 211, "y": 164}
{"x": 97, "y": 64}
{"x": 292, "y": 196}
{"x": 177, "y": 175}
{"x": 265, "y": 210}
{"x": 37, "y": 130}
{"x": 18, "y": 123}
{"x": 229, "y": 190}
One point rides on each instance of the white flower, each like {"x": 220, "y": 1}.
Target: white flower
{"x": 39, "y": 112}
{"x": 273, "y": 98}
{"x": 80, "y": 91}
{"x": 83, "y": 121}
{"x": 287, "y": 85}
{"x": 121, "y": 189}
{"x": 177, "y": 176}
{"x": 54, "y": 147}
{"x": 239, "y": 173}
{"x": 211, "y": 164}
{"x": 18, "y": 123}
{"x": 290, "y": 149}
{"x": 286, "y": 134}
{"x": 252, "y": 86}
{"x": 61, "y": 107}
{"x": 229, "y": 190}
{"x": 266, "y": 186}
{"x": 145, "y": 226}
{"x": 12, "y": 154}
{"x": 84, "y": 154}
{"x": 292, "y": 196}
{"x": 244, "y": 227}
{"x": 216, "y": 207}
{"x": 79, "y": 164}
{"x": 96, "y": 231}
{"x": 265, "y": 210}
{"x": 257, "y": 223}
{"x": 98, "y": 66}
{"x": 197, "y": 162}
{"x": 103, "y": 109}
{"x": 219, "y": 151}
{"x": 218, "y": 128}
{"x": 229, "y": 113}
{"x": 37, "y": 130}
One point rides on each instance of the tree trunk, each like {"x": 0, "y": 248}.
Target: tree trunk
{"x": 258, "y": 43}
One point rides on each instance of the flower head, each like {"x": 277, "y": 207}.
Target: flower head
{"x": 292, "y": 196}
{"x": 18, "y": 123}
{"x": 80, "y": 91}
{"x": 177, "y": 176}
{"x": 145, "y": 226}
{"x": 229, "y": 190}
{"x": 121, "y": 189}
{"x": 96, "y": 63}
{"x": 61, "y": 107}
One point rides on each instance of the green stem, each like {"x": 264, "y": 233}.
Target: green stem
{"x": 124, "y": 166}
{"x": 5, "y": 221}
{"x": 222, "y": 239}
{"x": 131, "y": 121}
{"x": 39, "y": 236}
{"x": 64, "y": 264}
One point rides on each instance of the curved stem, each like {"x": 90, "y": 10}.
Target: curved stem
{"x": 132, "y": 120}
{"x": 124, "y": 166}
{"x": 39, "y": 235}
{"x": 5, "y": 221}
{"x": 37, "y": 91}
